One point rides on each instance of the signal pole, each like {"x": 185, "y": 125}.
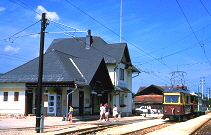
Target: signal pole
{"x": 40, "y": 74}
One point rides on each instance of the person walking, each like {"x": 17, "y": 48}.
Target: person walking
{"x": 115, "y": 112}
{"x": 102, "y": 112}
{"x": 107, "y": 111}
{"x": 70, "y": 113}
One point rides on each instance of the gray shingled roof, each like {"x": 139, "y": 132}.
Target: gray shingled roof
{"x": 112, "y": 53}
{"x": 68, "y": 60}
{"x": 57, "y": 68}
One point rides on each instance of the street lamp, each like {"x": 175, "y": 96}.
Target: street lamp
{"x": 68, "y": 98}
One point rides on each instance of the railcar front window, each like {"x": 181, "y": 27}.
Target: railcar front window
{"x": 172, "y": 99}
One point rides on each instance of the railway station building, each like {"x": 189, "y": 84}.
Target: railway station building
{"x": 102, "y": 72}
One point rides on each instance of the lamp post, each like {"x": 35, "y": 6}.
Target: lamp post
{"x": 68, "y": 99}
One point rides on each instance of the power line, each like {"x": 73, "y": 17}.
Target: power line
{"x": 66, "y": 26}
{"x": 174, "y": 42}
{"x": 205, "y": 8}
{"x": 202, "y": 46}
{"x": 118, "y": 34}
{"x": 24, "y": 6}
{"x": 21, "y": 31}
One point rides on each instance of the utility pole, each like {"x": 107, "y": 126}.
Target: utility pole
{"x": 40, "y": 74}
{"x": 202, "y": 86}
{"x": 208, "y": 93}
{"x": 120, "y": 33}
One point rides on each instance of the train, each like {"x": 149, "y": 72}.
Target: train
{"x": 179, "y": 103}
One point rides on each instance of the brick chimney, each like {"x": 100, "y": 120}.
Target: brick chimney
{"x": 88, "y": 40}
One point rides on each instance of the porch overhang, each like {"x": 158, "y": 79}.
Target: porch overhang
{"x": 123, "y": 89}
{"x": 66, "y": 84}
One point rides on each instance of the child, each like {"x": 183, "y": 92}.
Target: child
{"x": 70, "y": 114}
{"x": 115, "y": 113}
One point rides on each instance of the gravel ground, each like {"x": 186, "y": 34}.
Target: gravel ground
{"x": 148, "y": 130}
{"x": 204, "y": 130}
{"x": 27, "y": 131}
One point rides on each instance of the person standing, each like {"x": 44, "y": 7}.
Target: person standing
{"x": 107, "y": 111}
{"x": 148, "y": 109}
{"x": 102, "y": 111}
{"x": 70, "y": 113}
{"x": 115, "y": 112}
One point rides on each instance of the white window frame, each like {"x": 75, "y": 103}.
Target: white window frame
{"x": 16, "y": 96}
{"x": 5, "y": 98}
{"x": 121, "y": 74}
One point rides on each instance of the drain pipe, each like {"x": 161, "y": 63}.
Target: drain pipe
{"x": 68, "y": 99}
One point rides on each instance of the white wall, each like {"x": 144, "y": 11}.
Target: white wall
{"x": 114, "y": 71}
{"x": 11, "y": 106}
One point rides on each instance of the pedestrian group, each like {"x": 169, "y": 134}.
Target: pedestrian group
{"x": 105, "y": 111}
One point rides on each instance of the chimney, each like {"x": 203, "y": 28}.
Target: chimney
{"x": 88, "y": 40}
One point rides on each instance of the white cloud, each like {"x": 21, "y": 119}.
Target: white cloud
{"x": 2, "y": 9}
{"x": 51, "y": 15}
{"x": 11, "y": 49}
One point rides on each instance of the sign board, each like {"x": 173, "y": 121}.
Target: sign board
{"x": 65, "y": 102}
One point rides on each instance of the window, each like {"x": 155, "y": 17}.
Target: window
{"x": 121, "y": 74}
{"x": 16, "y": 95}
{"x": 121, "y": 99}
{"x": 188, "y": 100}
{"x": 172, "y": 99}
{"x": 5, "y": 96}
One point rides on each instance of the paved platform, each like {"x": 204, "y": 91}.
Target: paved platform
{"x": 183, "y": 128}
{"x": 51, "y": 122}
{"x": 55, "y": 125}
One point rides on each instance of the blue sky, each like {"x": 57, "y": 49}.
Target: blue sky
{"x": 163, "y": 35}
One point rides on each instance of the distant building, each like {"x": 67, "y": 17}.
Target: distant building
{"x": 151, "y": 95}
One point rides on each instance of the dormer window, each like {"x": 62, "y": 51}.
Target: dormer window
{"x": 121, "y": 74}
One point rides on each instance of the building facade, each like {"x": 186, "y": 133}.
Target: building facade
{"x": 101, "y": 71}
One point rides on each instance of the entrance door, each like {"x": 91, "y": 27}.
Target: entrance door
{"x": 81, "y": 103}
{"x": 29, "y": 102}
{"x": 52, "y": 104}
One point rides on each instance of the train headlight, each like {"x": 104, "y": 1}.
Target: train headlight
{"x": 178, "y": 111}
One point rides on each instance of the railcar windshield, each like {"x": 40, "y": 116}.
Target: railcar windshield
{"x": 172, "y": 99}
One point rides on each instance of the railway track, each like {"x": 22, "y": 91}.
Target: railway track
{"x": 104, "y": 129}
{"x": 92, "y": 130}
{"x": 150, "y": 129}
{"x": 204, "y": 130}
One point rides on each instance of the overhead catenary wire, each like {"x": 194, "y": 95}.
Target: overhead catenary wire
{"x": 70, "y": 35}
{"x": 174, "y": 42}
{"x": 24, "y": 6}
{"x": 185, "y": 49}
{"x": 60, "y": 24}
{"x": 117, "y": 34}
{"x": 32, "y": 34}
{"x": 205, "y": 8}
{"x": 202, "y": 46}
{"x": 22, "y": 30}
{"x": 110, "y": 30}
{"x": 66, "y": 26}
